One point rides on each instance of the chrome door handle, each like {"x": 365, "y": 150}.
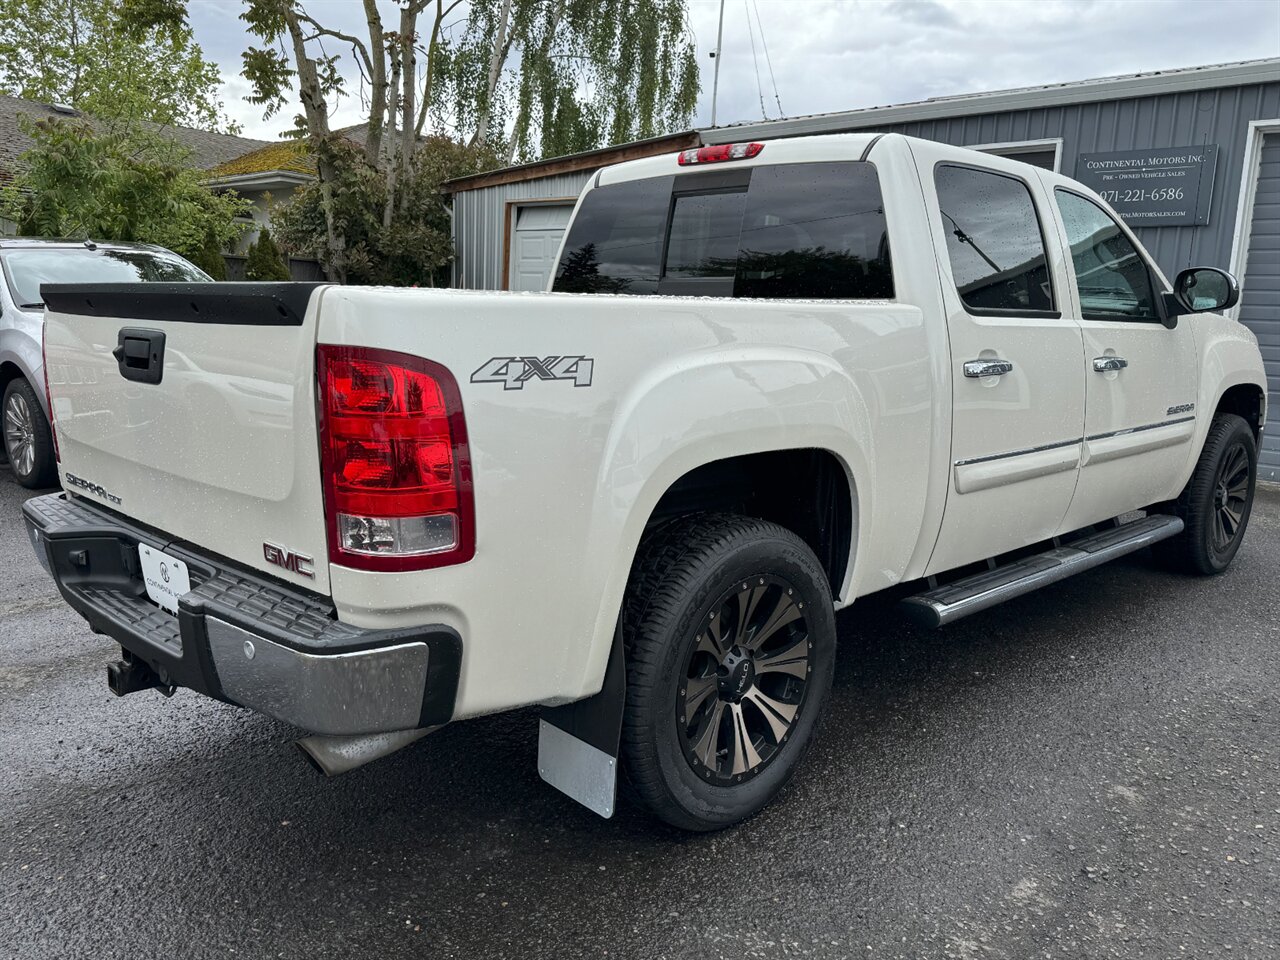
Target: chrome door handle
{"x": 987, "y": 368}
{"x": 1108, "y": 364}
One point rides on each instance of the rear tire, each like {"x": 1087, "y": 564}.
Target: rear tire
{"x": 28, "y": 442}
{"x": 1216, "y": 502}
{"x": 729, "y": 631}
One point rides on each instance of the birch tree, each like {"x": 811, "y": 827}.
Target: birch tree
{"x": 505, "y": 79}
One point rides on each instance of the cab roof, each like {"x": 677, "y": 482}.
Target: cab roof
{"x": 828, "y": 147}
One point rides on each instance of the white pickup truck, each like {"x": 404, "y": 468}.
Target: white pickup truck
{"x": 770, "y": 379}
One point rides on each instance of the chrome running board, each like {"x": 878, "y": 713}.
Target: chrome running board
{"x": 948, "y": 603}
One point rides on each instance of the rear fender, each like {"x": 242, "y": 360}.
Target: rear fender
{"x": 710, "y": 406}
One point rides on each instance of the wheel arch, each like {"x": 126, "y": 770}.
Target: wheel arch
{"x": 1248, "y": 401}
{"x": 699, "y": 417}
{"x": 20, "y": 357}
{"x": 9, "y": 371}
{"x": 810, "y": 491}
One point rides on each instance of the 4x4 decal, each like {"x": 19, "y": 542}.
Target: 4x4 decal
{"x": 514, "y": 372}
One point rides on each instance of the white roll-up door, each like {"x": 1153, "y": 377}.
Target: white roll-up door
{"x": 535, "y": 241}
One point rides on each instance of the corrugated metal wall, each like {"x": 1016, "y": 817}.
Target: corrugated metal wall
{"x": 479, "y": 221}
{"x": 1173, "y": 120}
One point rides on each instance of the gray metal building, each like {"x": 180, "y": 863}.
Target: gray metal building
{"x": 508, "y": 223}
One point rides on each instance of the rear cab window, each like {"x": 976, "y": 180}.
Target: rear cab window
{"x": 784, "y": 231}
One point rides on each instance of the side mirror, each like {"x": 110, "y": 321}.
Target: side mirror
{"x": 1200, "y": 289}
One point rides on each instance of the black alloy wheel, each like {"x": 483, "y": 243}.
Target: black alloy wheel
{"x": 1231, "y": 496}
{"x": 1216, "y": 502}
{"x": 745, "y": 680}
{"x": 729, "y": 630}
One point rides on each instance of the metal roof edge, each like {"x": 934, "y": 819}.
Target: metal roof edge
{"x": 1025, "y": 98}
{"x": 567, "y": 163}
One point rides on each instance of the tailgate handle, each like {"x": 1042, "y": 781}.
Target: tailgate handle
{"x": 140, "y": 354}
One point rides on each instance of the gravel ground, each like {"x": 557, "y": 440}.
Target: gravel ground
{"x": 1090, "y": 772}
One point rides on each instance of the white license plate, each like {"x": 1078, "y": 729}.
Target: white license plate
{"x": 166, "y": 578}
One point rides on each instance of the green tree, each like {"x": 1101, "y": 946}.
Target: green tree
{"x": 118, "y": 184}
{"x": 208, "y": 257}
{"x": 550, "y": 77}
{"x": 127, "y": 59}
{"x": 505, "y": 78}
{"x": 264, "y": 261}
{"x": 414, "y": 248}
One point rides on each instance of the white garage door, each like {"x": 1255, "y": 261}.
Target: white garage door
{"x": 535, "y": 241}
{"x": 1260, "y": 298}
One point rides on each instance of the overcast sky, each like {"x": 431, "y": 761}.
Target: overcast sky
{"x": 842, "y": 54}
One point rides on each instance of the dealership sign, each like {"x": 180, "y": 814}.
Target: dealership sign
{"x": 1165, "y": 187}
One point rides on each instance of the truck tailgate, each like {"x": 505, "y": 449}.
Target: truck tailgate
{"x": 222, "y": 451}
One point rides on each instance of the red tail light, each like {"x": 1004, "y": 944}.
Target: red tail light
{"x": 718, "y": 153}
{"x": 397, "y": 470}
{"x": 48, "y": 396}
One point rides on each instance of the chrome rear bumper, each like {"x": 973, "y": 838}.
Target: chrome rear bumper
{"x": 242, "y": 637}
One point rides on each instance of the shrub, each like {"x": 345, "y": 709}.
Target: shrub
{"x": 264, "y": 261}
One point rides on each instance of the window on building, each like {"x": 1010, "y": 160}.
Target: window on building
{"x": 1113, "y": 279}
{"x": 1038, "y": 153}
{"x": 994, "y": 241}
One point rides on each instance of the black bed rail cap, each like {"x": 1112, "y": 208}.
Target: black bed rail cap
{"x": 246, "y": 304}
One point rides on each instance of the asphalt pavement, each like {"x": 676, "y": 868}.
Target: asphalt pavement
{"x": 1090, "y": 772}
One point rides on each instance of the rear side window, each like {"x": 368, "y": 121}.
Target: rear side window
{"x": 615, "y": 244}
{"x": 994, "y": 242}
{"x": 796, "y": 231}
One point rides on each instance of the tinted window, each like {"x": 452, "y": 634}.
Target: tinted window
{"x": 994, "y": 241}
{"x": 615, "y": 243}
{"x": 814, "y": 231}
{"x": 29, "y": 268}
{"x": 800, "y": 230}
{"x": 704, "y": 234}
{"x": 1112, "y": 277}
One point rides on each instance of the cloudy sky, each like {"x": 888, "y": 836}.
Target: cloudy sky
{"x": 840, "y": 54}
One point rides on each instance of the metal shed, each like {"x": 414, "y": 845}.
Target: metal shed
{"x": 1228, "y": 114}
{"x": 507, "y": 223}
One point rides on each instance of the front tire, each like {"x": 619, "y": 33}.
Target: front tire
{"x": 729, "y": 630}
{"x": 1216, "y": 503}
{"x": 28, "y": 442}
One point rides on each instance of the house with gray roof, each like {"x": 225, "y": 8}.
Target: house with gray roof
{"x": 208, "y": 149}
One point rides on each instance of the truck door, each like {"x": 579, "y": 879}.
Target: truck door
{"x": 1141, "y": 378}
{"x": 1017, "y": 388}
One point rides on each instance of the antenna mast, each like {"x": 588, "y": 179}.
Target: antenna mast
{"x": 715, "y": 82}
